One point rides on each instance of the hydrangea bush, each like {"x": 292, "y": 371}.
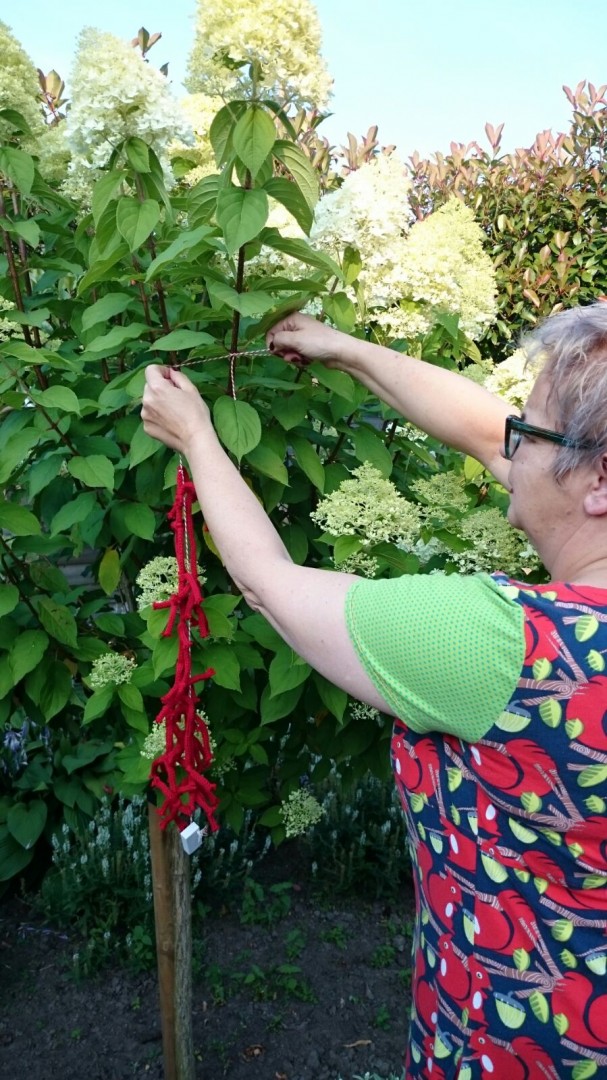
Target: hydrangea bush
{"x": 157, "y": 271}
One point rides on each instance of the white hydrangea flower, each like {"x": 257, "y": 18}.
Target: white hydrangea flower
{"x": 19, "y": 89}
{"x": 300, "y": 812}
{"x": 495, "y": 545}
{"x": 283, "y": 35}
{"x": 109, "y": 668}
{"x": 513, "y": 379}
{"x": 369, "y": 506}
{"x": 117, "y": 95}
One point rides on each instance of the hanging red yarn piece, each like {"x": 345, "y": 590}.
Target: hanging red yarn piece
{"x": 179, "y": 772}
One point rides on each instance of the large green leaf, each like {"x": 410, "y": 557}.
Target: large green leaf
{"x": 274, "y": 707}
{"x": 247, "y": 303}
{"x": 95, "y": 471}
{"x": 288, "y": 193}
{"x": 16, "y": 451}
{"x": 222, "y": 126}
{"x": 9, "y": 598}
{"x": 57, "y": 397}
{"x": 266, "y": 461}
{"x": 241, "y": 214}
{"x": 369, "y": 446}
{"x": 56, "y": 690}
{"x": 86, "y": 753}
{"x": 309, "y": 461}
{"x": 138, "y": 154}
{"x": 103, "y": 310}
{"x": 18, "y": 167}
{"x": 58, "y": 621}
{"x": 109, "y": 571}
{"x": 113, "y": 341}
{"x": 300, "y": 168}
{"x": 253, "y": 138}
{"x": 79, "y": 509}
{"x": 224, "y": 662}
{"x": 27, "y": 652}
{"x": 301, "y": 250}
{"x": 99, "y": 703}
{"x": 183, "y": 339}
{"x": 101, "y": 270}
{"x": 104, "y": 190}
{"x": 237, "y": 424}
{"x": 17, "y": 520}
{"x": 142, "y": 446}
{"x": 331, "y": 696}
{"x": 186, "y": 240}
{"x": 25, "y": 822}
{"x": 13, "y": 857}
{"x": 286, "y": 671}
{"x": 139, "y": 520}
{"x": 136, "y": 220}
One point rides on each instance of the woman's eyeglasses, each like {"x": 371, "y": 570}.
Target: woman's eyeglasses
{"x": 516, "y": 428}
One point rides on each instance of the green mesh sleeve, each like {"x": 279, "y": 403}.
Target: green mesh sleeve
{"x": 444, "y": 651}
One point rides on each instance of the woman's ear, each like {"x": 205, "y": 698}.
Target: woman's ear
{"x": 595, "y": 499}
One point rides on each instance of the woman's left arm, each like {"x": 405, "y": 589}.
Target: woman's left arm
{"x": 306, "y": 606}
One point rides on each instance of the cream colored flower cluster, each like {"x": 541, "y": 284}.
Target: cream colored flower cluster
{"x": 116, "y": 95}
{"x": 513, "y": 379}
{"x": 111, "y": 667}
{"x": 283, "y": 35}
{"x": 495, "y": 545}
{"x": 368, "y": 506}
{"x": 154, "y": 744}
{"x": 19, "y": 88}
{"x": 300, "y": 812}
{"x": 159, "y": 579}
{"x": 443, "y": 497}
{"x": 410, "y": 273}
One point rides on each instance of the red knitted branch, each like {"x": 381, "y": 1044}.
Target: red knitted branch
{"x": 178, "y": 773}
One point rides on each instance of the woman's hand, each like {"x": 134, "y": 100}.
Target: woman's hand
{"x": 300, "y": 339}
{"x": 173, "y": 410}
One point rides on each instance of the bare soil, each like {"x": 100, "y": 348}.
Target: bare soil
{"x": 319, "y": 994}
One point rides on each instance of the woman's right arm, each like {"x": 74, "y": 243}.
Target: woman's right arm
{"x": 448, "y": 406}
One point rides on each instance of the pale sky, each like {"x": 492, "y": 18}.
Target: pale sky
{"x": 426, "y": 73}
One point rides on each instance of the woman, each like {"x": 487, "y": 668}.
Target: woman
{"x": 497, "y": 689}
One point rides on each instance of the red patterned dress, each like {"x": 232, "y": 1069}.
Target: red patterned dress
{"x": 501, "y": 765}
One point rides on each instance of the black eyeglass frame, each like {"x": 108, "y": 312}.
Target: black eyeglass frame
{"x": 514, "y": 424}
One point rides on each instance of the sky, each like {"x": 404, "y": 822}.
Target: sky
{"x": 426, "y": 73}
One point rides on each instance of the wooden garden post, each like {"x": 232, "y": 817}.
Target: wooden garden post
{"x": 173, "y": 922}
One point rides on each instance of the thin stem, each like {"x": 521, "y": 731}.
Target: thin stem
{"x": 14, "y": 276}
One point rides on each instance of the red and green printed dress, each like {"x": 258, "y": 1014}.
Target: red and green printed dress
{"x": 501, "y": 764}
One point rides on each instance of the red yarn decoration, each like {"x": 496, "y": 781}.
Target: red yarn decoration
{"x": 178, "y": 773}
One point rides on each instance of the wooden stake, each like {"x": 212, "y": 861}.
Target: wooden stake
{"x": 182, "y": 914}
{"x": 173, "y": 921}
{"x": 165, "y": 937}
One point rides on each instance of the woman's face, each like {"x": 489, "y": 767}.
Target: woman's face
{"x": 539, "y": 506}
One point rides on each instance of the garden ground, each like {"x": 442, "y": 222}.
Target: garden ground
{"x": 284, "y": 989}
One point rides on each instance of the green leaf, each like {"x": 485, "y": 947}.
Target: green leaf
{"x": 140, "y": 520}
{"x": 287, "y": 193}
{"x": 13, "y": 857}
{"x": 300, "y": 168}
{"x": 301, "y": 250}
{"x": 86, "y": 753}
{"x": 103, "y": 192}
{"x": 100, "y": 270}
{"x": 131, "y": 697}
{"x": 241, "y": 214}
{"x": 58, "y": 621}
{"x": 113, "y": 341}
{"x": 186, "y": 240}
{"x": 27, "y": 652}
{"x": 202, "y": 199}
{"x": 222, "y": 126}
{"x": 57, "y": 397}
{"x": 251, "y": 303}
{"x": 286, "y": 671}
{"x": 16, "y": 120}
{"x": 309, "y": 461}
{"x": 339, "y": 382}
{"x": 138, "y": 154}
{"x": 9, "y": 598}
{"x": 334, "y": 699}
{"x": 16, "y": 451}
{"x": 369, "y": 446}
{"x": 73, "y": 512}
{"x": 341, "y": 311}
{"x": 95, "y": 471}
{"x": 142, "y": 446}
{"x": 136, "y": 220}
{"x": 103, "y": 310}
{"x": 224, "y": 662}
{"x": 273, "y": 708}
{"x": 56, "y": 690}
{"x": 109, "y": 571}
{"x": 26, "y": 230}
{"x": 183, "y": 339}
{"x": 346, "y": 546}
{"x": 253, "y": 138}
{"x": 291, "y": 410}
{"x": 18, "y": 167}
{"x": 237, "y": 424}
{"x": 266, "y": 461}
{"x": 98, "y": 704}
{"x": 17, "y": 520}
{"x": 352, "y": 264}
{"x": 25, "y": 822}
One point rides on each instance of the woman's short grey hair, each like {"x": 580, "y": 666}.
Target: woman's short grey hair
{"x": 570, "y": 350}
